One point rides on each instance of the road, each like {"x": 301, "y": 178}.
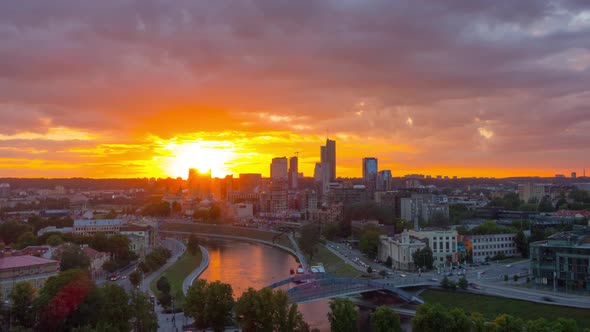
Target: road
{"x": 489, "y": 278}
{"x": 165, "y": 321}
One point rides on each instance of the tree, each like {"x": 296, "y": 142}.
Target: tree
{"x": 11, "y": 230}
{"x": 369, "y": 269}
{"x": 343, "y": 316}
{"x": 445, "y": 282}
{"x": 54, "y": 240}
{"x": 116, "y": 311}
{"x": 330, "y": 231}
{"x": 72, "y": 257}
{"x": 143, "y": 316}
{"x": 220, "y": 303}
{"x": 196, "y": 303}
{"x": 463, "y": 283}
{"x": 389, "y": 262}
{"x": 522, "y": 244}
{"x": 505, "y": 277}
{"x": 111, "y": 215}
{"x": 545, "y": 205}
{"x": 385, "y": 319}
{"x": 506, "y": 323}
{"x": 135, "y": 278}
{"x": 163, "y": 285}
{"x": 369, "y": 240}
{"x": 423, "y": 258}
{"x": 26, "y": 239}
{"x": 515, "y": 277}
{"x": 435, "y": 318}
{"x": 268, "y": 310}
{"x": 193, "y": 245}
{"x": 100, "y": 242}
{"x": 60, "y": 297}
{"x": 21, "y": 299}
{"x": 309, "y": 239}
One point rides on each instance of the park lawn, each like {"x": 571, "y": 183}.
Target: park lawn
{"x": 333, "y": 264}
{"x": 492, "y": 306}
{"x": 177, "y": 272}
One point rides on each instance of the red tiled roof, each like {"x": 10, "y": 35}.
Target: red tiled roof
{"x": 11, "y": 262}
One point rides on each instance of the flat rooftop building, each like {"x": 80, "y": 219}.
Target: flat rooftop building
{"x": 15, "y": 269}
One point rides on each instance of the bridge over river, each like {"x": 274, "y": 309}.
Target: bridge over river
{"x": 323, "y": 286}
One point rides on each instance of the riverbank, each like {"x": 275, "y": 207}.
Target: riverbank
{"x": 251, "y": 233}
{"x": 188, "y": 281}
{"x": 177, "y": 272}
{"x": 300, "y": 257}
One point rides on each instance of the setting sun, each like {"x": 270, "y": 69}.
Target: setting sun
{"x": 204, "y": 156}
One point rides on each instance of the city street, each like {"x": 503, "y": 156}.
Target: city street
{"x": 488, "y": 278}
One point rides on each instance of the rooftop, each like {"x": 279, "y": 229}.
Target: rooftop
{"x": 98, "y": 222}
{"x": 12, "y": 262}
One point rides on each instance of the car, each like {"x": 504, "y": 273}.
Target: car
{"x": 434, "y": 279}
{"x": 509, "y": 265}
{"x": 403, "y": 275}
{"x": 124, "y": 277}
{"x": 547, "y": 299}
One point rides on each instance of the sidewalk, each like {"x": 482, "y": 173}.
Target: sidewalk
{"x": 188, "y": 281}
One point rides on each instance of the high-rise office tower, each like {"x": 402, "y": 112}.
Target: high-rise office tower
{"x": 279, "y": 169}
{"x": 331, "y": 157}
{"x": 384, "y": 180}
{"x": 370, "y": 167}
{"x": 293, "y": 172}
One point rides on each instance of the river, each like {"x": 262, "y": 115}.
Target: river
{"x": 249, "y": 264}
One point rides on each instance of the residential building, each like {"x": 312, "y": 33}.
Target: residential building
{"x": 533, "y": 191}
{"x": 423, "y": 207}
{"x": 442, "y": 242}
{"x": 142, "y": 238}
{"x": 279, "y": 169}
{"x": 15, "y": 269}
{"x": 97, "y": 260}
{"x": 90, "y": 227}
{"x": 400, "y": 248}
{"x": 4, "y": 190}
{"x": 249, "y": 182}
{"x": 484, "y": 247}
{"x": 563, "y": 260}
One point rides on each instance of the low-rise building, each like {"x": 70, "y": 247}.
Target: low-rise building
{"x": 15, "y": 269}
{"x": 442, "y": 242}
{"x": 563, "y": 260}
{"x": 484, "y": 247}
{"x": 91, "y": 227}
{"x": 400, "y": 248}
{"x": 141, "y": 237}
{"x": 97, "y": 260}
{"x": 53, "y": 229}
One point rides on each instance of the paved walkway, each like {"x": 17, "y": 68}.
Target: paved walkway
{"x": 188, "y": 281}
{"x": 145, "y": 284}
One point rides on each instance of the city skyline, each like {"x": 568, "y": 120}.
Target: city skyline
{"x": 129, "y": 89}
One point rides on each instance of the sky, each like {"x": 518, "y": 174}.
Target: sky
{"x": 150, "y": 88}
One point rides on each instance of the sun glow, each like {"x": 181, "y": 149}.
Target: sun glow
{"x": 204, "y": 156}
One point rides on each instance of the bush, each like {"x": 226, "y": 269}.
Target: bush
{"x": 463, "y": 283}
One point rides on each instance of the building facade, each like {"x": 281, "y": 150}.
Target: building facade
{"x": 563, "y": 260}
{"x": 15, "y": 269}
{"x": 279, "y": 169}
{"x": 484, "y": 247}
{"x": 91, "y": 227}
{"x": 443, "y": 244}
{"x": 400, "y": 248}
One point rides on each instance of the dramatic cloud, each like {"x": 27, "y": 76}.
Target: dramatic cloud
{"x": 460, "y": 87}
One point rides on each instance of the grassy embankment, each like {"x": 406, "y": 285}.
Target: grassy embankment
{"x": 333, "y": 264}
{"x": 178, "y": 272}
{"x": 492, "y": 306}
